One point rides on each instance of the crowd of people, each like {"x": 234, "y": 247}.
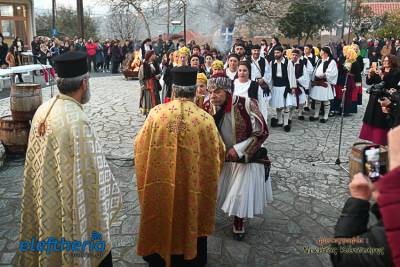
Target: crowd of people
{"x": 206, "y": 110}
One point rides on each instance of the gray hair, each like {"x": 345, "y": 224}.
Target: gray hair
{"x": 184, "y": 91}
{"x": 69, "y": 85}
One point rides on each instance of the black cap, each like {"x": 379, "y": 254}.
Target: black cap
{"x": 184, "y": 76}
{"x": 71, "y": 64}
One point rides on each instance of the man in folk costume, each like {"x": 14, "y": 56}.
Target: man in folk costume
{"x": 303, "y": 83}
{"x": 260, "y": 71}
{"x": 312, "y": 59}
{"x": 178, "y": 157}
{"x": 244, "y": 187}
{"x": 283, "y": 83}
{"x": 69, "y": 192}
{"x": 240, "y": 51}
{"x": 324, "y": 78}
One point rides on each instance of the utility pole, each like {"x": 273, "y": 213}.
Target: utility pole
{"x": 53, "y": 24}
{"x": 81, "y": 25}
{"x": 168, "y": 15}
{"x": 350, "y": 21}
{"x": 344, "y": 17}
{"x": 184, "y": 20}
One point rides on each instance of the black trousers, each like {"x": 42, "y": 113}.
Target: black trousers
{"x": 115, "y": 67}
{"x": 90, "y": 60}
{"x": 107, "y": 262}
{"x": 155, "y": 260}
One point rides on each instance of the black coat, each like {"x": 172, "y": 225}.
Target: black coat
{"x": 3, "y": 53}
{"x": 353, "y": 223}
{"x": 373, "y": 113}
{"x": 115, "y": 53}
{"x": 35, "y": 48}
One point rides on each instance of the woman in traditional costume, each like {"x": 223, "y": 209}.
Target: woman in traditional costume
{"x": 208, "y": 64}
{"x": 149, "y": 76}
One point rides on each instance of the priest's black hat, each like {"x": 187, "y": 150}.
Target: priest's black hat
{"x": 184, "y": 76}
{"x": 71, "y": 64}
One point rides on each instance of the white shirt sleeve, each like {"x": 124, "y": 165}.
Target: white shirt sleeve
{"x": 291, "y": 75}
{"x": 332, "y": 72}
{"x": 267, "y": 73}
{"x": 304, "y": 80}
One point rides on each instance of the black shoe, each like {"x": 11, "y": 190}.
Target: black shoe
{"x": 286, "y": 128}
{"x": 301, "y": 118}
{"x": 331, "y": 114}
{"x": 313, "y": 118}
{"x": 346, "y": 115}
{"x": 274, "y": 122}
{"x": 323, "y": 120}
{"x": 306, "y": 109}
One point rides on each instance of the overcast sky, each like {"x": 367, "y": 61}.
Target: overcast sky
{"x": 95, "y": 5}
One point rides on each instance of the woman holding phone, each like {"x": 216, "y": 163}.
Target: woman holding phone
{"x": 375, "y": 124}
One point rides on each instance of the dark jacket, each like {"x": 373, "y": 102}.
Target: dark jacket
{"x": 373, "y": 113}
{"x": 3, "y": 53}
{"x": 35, "y": 48}
{"x": 115, "y": 53}
{"x": 353, "y": 224}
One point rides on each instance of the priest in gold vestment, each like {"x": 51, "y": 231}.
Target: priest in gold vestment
{"x": 70, "y": 196}
{"x": 178, "y": 157}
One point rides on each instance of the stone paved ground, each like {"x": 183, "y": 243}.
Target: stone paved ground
{"x": 307, "y": 198}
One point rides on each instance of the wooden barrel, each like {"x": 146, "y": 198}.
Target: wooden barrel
{"x": 14, "y": 134}
{"x": 25, "y": 98}
{"x": 356, "y": 157}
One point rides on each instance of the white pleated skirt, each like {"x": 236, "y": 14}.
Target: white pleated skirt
{"x": 242, "y": 190}
{"x": 320, "y": 93}
{"x": 278, "y": 99}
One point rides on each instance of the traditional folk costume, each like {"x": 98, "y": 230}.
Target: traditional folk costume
{"x": 252, "y": 90}
{"x": 178, "y": 157}
{"x": 283, "y": 79}
{"x": 244, "y": 187}
{"x": 322, "y": 91}
{"x": 69, "y": 191}
{"x": 201, "y": 96}
{"x": 303, "y": 83}
{"x": 150, "y": 85}
{"x": 312, "y": 62}
{"x": 351, "y": 79}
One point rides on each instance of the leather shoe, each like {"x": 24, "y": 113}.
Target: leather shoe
{"x": 323, "y": 120}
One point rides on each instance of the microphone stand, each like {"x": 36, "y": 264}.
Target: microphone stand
{"x": 338, "y": 162}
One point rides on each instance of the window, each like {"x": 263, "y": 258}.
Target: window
{"x": 19, "y": 11}
{"x": 20, "y": 29}
{"x": 6, "y": 10}
{"x": 8, "y": 28}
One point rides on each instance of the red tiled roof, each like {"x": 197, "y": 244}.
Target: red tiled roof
{"x": 380, "y": 8}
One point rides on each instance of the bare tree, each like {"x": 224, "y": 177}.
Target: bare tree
{"x": 122, "y": 22}
{"x": 137, "y": 5}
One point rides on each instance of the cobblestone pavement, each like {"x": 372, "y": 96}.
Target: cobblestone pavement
{"x": 307, "y": 198}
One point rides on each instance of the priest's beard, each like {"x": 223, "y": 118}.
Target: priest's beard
{"x": 86, "y": 96}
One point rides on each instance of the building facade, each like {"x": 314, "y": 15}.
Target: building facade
{"x": 17, "y": 19}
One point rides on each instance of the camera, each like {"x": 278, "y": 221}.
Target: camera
{"x": 379, "y": 90}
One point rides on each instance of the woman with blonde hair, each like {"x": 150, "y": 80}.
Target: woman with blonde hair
{"x": 184, "y": 54}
